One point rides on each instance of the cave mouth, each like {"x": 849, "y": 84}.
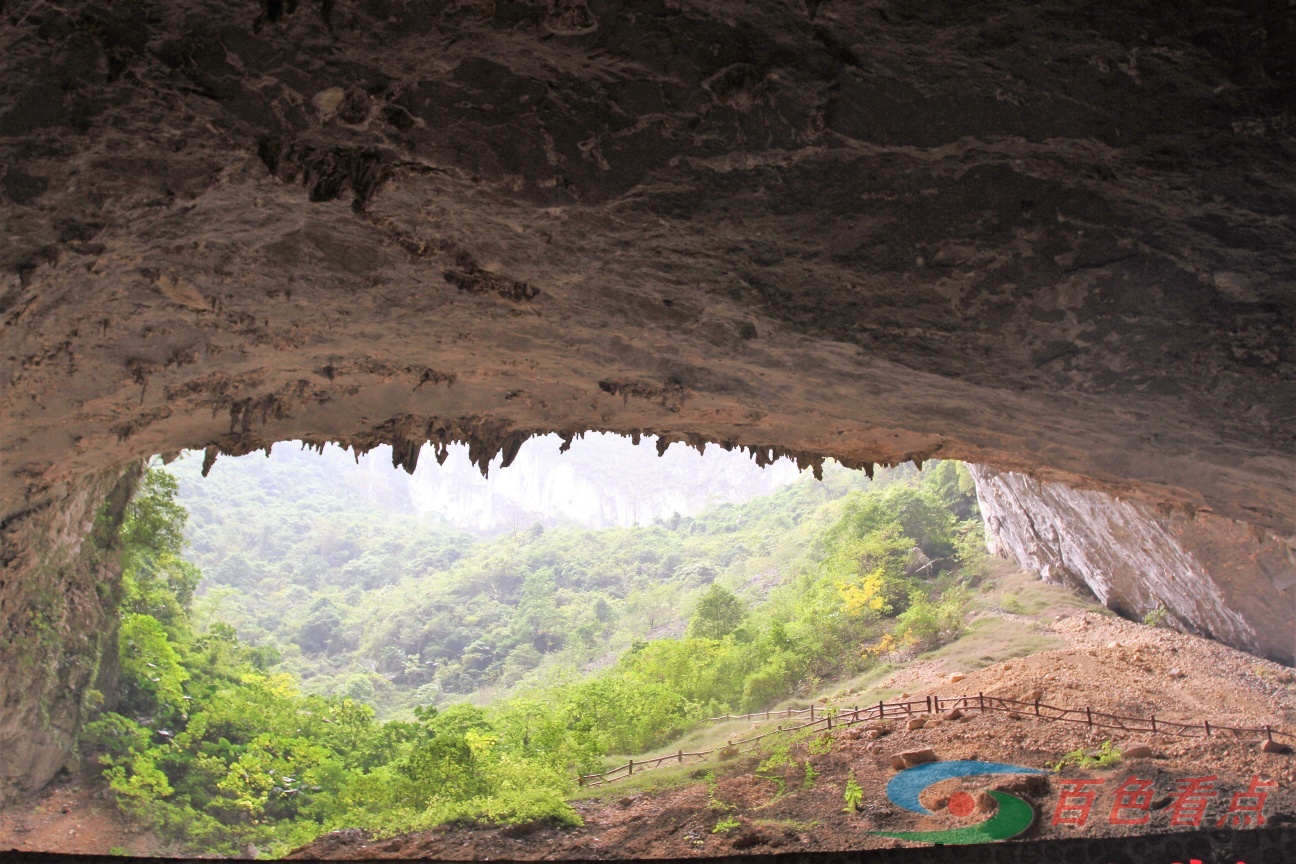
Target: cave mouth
{"x": 316, "y": 651}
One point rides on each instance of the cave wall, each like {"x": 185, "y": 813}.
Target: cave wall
{"x": 1054, "y": 238}
{"x": 1214, "y": 577}
{"x": 58, "y": 612}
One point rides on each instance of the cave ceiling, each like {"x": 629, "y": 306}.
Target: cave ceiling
{"x": 1056, "y": 238}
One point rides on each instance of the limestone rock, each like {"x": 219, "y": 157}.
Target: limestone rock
{"x": 916, "y": 723}
{"x": 1137, "y": 751}
{"x": 1215, "y": 576}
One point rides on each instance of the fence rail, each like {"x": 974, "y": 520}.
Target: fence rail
{"x": 836, "y": 717}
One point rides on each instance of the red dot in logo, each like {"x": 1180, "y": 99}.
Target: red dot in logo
{"x": 961, "y": 804}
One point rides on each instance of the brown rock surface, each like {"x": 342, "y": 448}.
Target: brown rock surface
{"x": 1052, "y": 239}
{"x": 1048, "y": 240}
{"x": 910, "y": 758}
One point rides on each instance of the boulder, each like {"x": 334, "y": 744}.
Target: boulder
{"x": 1137, "y": 751}
{"x": 1270, "y": 746}
{"x": 910, "y": 758}
{"x": 916, "y": 723}
{"x": 956, "y": 714}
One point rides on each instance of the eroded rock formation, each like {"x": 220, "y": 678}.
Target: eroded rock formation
{"x": 58, "y": 596}
{"x": 1056, "y": 238}
{"x": 1212, "y": 576}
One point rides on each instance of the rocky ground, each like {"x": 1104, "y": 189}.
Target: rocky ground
{"x": 73, "y": 816}
{"x": 1111, "y": 664}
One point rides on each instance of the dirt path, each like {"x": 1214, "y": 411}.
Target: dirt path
{"x": 70, "y": 817}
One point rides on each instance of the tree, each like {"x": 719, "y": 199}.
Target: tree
{"x": 719, "y": 612}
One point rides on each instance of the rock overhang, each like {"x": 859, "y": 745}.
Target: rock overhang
{"x": 1053, "y": 240}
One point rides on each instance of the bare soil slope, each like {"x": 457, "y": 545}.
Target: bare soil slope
{"x": 1108, "y": 663}
{"x": 73, "y": 817}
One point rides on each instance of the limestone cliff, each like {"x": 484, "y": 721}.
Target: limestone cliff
{"x": 1215, "y": 577}
{"x": 59, "y": 624}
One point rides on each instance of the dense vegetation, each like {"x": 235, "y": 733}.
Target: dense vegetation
{"x": 578, "y": 644}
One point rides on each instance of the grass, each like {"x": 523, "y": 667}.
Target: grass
{"x": 991, "y": 640}
{"x": 1106, "y": 756}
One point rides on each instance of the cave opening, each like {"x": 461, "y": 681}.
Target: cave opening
{"x": 547, "y": 650}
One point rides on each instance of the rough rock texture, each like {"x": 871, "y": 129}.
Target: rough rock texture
{"x": 58, "y": 605}
{"x": 1214, "y": 577}
{"x": 1053, "y": 237}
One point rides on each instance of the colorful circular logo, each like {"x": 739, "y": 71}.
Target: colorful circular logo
{"x": 1012, "y": 816}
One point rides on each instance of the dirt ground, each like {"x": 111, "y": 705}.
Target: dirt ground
{"x": 71, "y": 816}
{"x": 1111, "y": 664}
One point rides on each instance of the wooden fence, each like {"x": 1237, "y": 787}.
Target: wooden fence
{"x": 836, "y": 717}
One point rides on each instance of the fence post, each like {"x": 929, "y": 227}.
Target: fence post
{"x": 881, "y": 709}
{"x": 1037, "y": 708}
{"x": 1153, "y": 722}
{"x": 681, "y": 756}
{"x": 1268, "y": 731}
{"x": 1207, "y": 724}
{"x": 811, "y": 712}
{"x": 766, "y": 713}
{"x": 829, "y": 719}
{"x": 1089, "y": 716}
{"x": 981, "y": 701}
{"x": 580, "y": 781}
{"x": 929, "y": 710}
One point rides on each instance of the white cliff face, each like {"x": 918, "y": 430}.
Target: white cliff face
{"x": 602, "y": 481}
{"x": 1215, "y": 577}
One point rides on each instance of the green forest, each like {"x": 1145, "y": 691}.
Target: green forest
{"x": 298, "y": 663}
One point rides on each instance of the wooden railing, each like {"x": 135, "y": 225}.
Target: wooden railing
{"x": 835, "y": 717}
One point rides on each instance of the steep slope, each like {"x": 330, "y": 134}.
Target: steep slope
{"x": 1109, "y": 664}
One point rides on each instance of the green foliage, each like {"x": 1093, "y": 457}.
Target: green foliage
{"x": 1156, "y": 616}
{"x": 725, "y": 825}
{"x": 928, "y": 623}
{"x": 820, "y": 746}
{"x": 853, "y": 795}
{"x": 810, "y": 776}
{"x": 719, "y": 612}
{"x": 1104, "y": 757}
{"x": 333, "y": 703}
